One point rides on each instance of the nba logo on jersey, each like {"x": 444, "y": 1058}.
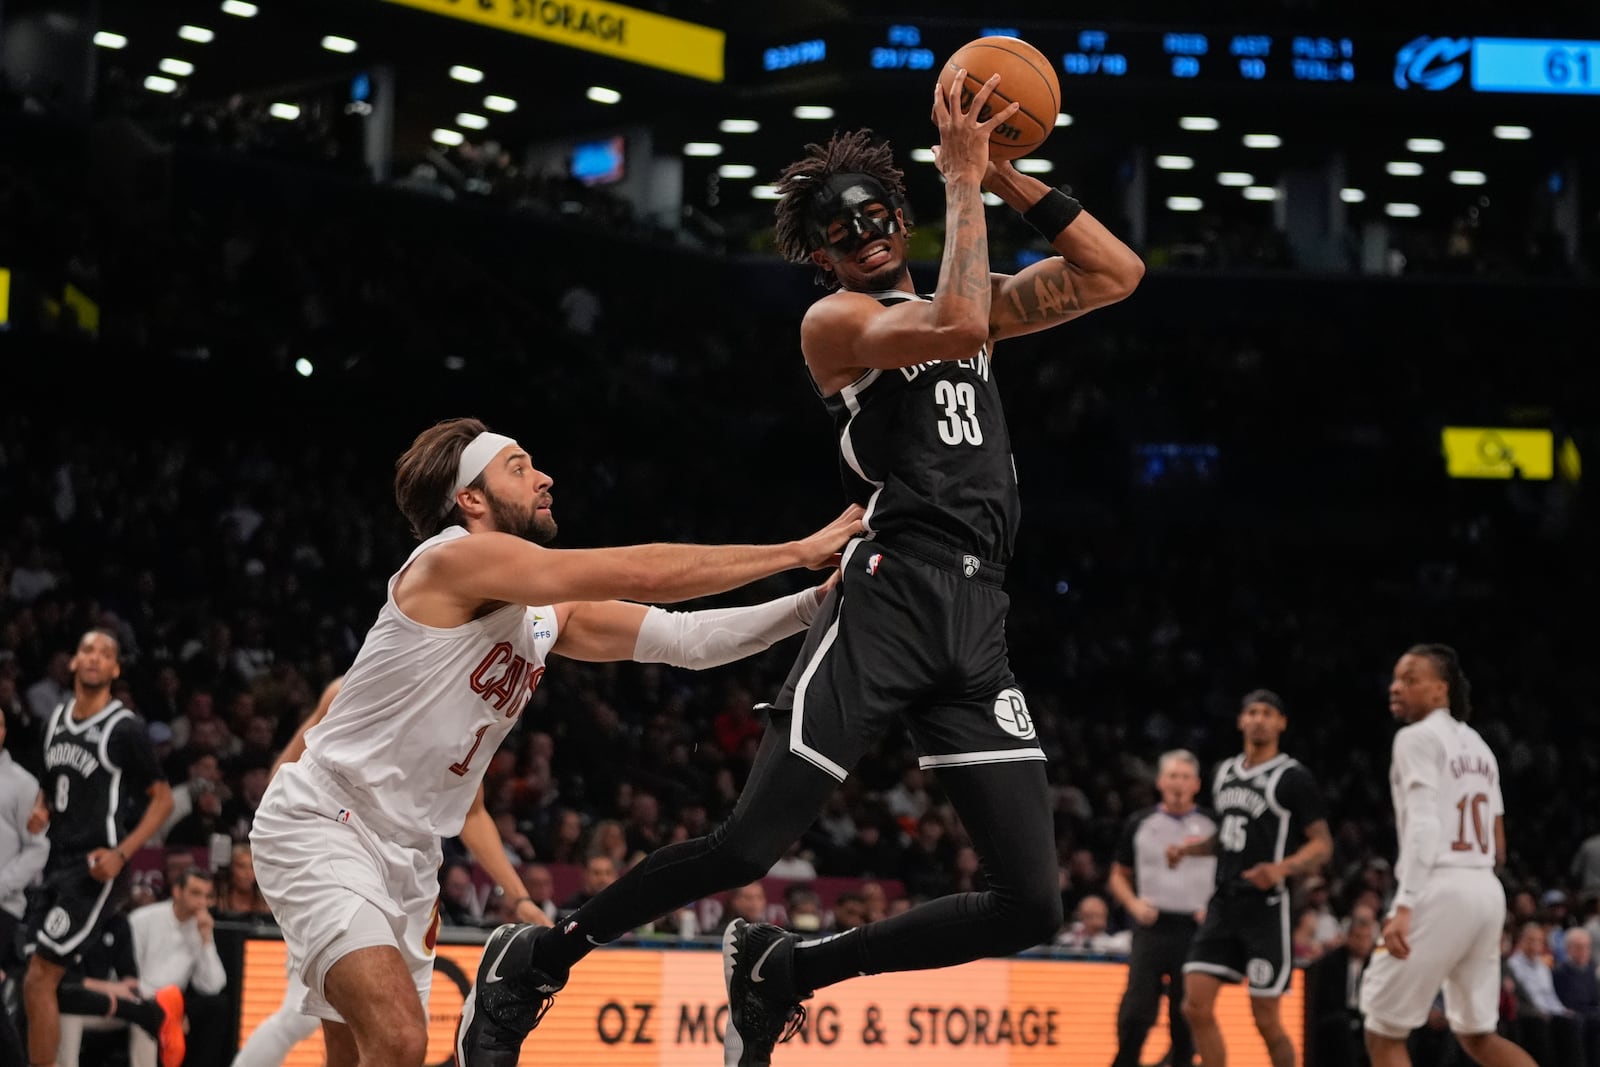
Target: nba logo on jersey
{"x": 969, "y": 565}
{"x": 873, "y": 561}
{"x": 344, "y": 814}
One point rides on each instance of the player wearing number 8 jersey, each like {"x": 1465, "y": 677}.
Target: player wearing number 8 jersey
{"x": 1271, "y": 826}
{"x": 916, "y": 628}
{"x": 346, "y": 839}
{"x": 1449, "y": 909}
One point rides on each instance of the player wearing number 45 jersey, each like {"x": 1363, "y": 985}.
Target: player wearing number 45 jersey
{"x": 1271, "y": 826}
{"x": 1449, "y": 909}
{"x": 916, "y": 628}
{"x": 346, "y": 839}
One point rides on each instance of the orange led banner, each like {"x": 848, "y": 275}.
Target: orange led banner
{"x": 667, "y": 1008}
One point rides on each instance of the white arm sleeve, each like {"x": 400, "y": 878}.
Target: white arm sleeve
{"x": 1418, "y": 760}
{"x": 701, "y": 639}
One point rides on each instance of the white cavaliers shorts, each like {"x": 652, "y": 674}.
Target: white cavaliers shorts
{"x": 1455, "y": 946}
{"x": 337, "y": 884}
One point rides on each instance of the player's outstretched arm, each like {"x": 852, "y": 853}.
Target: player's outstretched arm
{"x": 482, "y": 838}
{"x": 612, "y": 630}
{"x": 491, "y": 567}
{"x": 1094, "y": 267}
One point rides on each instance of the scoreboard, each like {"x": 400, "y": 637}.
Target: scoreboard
{"x": 1175, "y": 57}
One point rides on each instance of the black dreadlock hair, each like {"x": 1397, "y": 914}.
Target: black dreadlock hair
{"x": 858, "y": 152}
{"x": 1448, "y": 664}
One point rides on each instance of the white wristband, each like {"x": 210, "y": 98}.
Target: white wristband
{"x": 701, "y": 639}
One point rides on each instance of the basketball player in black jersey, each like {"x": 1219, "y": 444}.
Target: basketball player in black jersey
{"x": 1271, "y": 825}
{"x": 916, "y": 628}
{"x": 96, "y": 756}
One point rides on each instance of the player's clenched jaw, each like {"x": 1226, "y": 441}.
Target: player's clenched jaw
{"x": 857, "y": 233}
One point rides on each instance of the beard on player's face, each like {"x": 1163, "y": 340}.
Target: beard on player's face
{"x": 521, "y": 520}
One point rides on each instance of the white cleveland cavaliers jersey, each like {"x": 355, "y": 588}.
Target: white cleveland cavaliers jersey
{"x": 1459, "y": 778}
{"x": 423, "y": 709}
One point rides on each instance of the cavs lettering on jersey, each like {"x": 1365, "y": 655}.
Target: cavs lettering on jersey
{"x": 92, "y": 768}
{"x": 423, "y": 709}
{"x": 1262, "y": 815}
{"x": 926, "y": 451}
{"x": 1446, "y": 786}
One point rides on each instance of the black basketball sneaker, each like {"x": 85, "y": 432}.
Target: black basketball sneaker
{"x": 763, "y": 1005}
{"x": 500, "y": 1010}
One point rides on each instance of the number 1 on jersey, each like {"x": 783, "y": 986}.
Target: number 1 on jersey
{"x": 477, "y": 739}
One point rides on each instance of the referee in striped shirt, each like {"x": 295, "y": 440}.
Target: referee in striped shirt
{"x": 1166, "y": 904}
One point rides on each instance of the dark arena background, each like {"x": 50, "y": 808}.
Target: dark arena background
{"x": 249, "y": 249}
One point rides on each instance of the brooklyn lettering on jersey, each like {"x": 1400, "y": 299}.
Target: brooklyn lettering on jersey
{"x": 979, "y": 363}
{"x": 1237, "y": 798}
{"x": 66, "y": 754}
{"x": 506, "y": 679}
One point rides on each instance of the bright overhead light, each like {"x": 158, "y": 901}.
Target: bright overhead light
{"x": 1198, "y": 123}
{"x": 742, "y": 171}
{"x": 239, "y": 8}
{"x": 1034, "y": 166}
{"x": 157, "y": 84}
{"x": 1174, "y": 163}
{"x": 922, "y": 155}
{"x": 1063, "y": 119}
{"x": 1424, "y": 144}
{"x": 1235, "y": 179}
{"x": 470, "y": 75}
{"x": 500, "y": 103}
{"x": 1185, "y": 203}
{"x": 1402, "y": 211}
{"x": 1513, "y": 133}
{"x": 449, "y": 137}
{"x": 1352, "y": 196}
{"x": 303, "y": 367}
{"x": 197, "y": 34}
{"x": 602, "y": 95}
{"x": 471, "y": 121}
{"x": 1262, "y": 140}
{"x": 107, "y": 39}
{"x": 1403, "y": 168}
{"x": 1260, "y": 192}
{"x": 1468, "y": 177}
{"x": 287, "y": 112}
{"x": 180, "y": 67}
{"x": 765, "y": 192}
{"x": 702, "y": 148}
{"x": 813, "y": 111}
{"x": 338, "y": 44}
{"x": 739, "y": 126}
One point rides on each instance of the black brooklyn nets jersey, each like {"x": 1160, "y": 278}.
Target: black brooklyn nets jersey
{"x": 92, "y": 769}
{"x": 1262, "y": 814}
{"x": 925, "y": 449}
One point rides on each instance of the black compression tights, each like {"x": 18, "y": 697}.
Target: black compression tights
{"x": 1005, "y": 807}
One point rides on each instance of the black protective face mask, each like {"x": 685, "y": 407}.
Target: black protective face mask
{"x": 845, "y": 198}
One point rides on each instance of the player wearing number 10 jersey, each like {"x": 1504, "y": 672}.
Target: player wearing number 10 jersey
{"x": 1449, "y": 909}
{"x": 1271, "y": 825}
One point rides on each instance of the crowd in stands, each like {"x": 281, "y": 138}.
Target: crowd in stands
{"x": 238, "y": 543}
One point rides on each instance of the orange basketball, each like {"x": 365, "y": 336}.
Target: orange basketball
{"x": 1026, "y": 77}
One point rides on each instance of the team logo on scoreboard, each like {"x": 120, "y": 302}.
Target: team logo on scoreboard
{"x": 1431, "y": 63}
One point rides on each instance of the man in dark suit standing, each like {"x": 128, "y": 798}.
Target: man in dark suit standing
{"x": 1335, "y": 989}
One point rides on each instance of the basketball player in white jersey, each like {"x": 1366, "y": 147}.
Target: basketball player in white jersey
{"x": 1444, "y": 928}
{"x": 346, "y": 839}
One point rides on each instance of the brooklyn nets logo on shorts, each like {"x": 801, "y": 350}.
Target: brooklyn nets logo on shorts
{"x": 1011, "y": 712}
{"x": 1260, "y": 972}
{"x": 57, "y": 923}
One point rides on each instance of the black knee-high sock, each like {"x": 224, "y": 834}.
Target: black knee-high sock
{"x": 1006, "y": 809}
{"x": 780, "y": 800}
{"x": 74, "y": 999}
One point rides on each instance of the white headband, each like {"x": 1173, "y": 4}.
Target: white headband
{"x": 474, "y": 458}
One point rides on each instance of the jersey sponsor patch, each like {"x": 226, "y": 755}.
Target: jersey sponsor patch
{"x": 1011, "y": 712}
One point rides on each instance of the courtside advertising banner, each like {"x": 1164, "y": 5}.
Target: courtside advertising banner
{"x": 631, "y": 1007}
